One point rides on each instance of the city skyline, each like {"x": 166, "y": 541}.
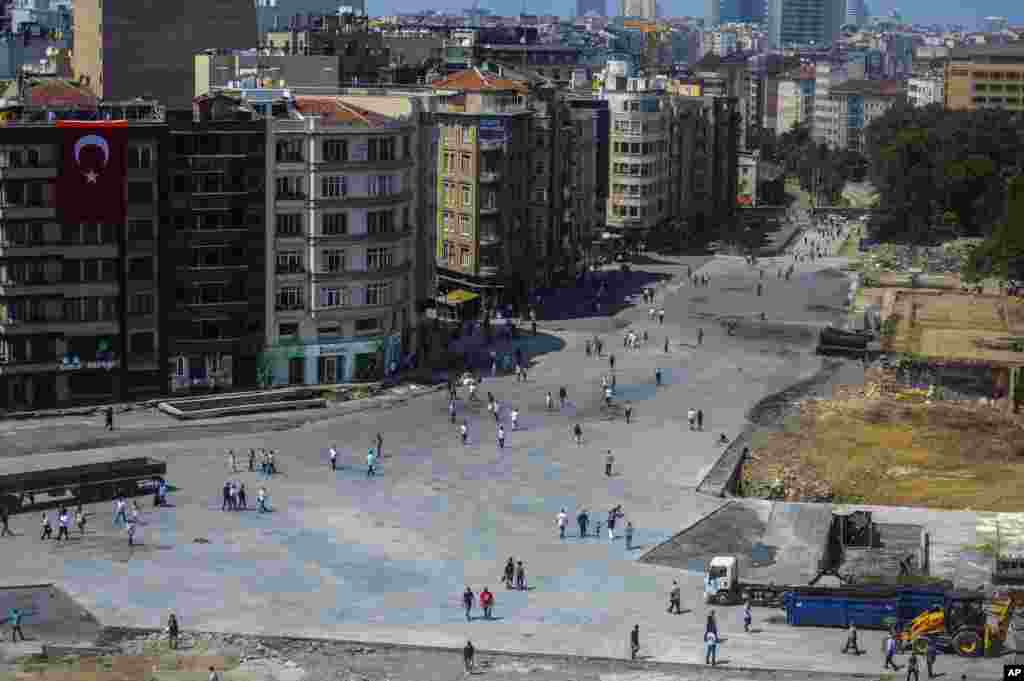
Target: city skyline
{"x": 916, "y": 11}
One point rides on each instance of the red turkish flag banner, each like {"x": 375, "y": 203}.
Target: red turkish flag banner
{"x": 93, "y": 177}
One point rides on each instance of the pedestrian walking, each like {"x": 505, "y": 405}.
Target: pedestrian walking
{"x": 581, "y": 520}
{"x": 135, "y": 511}
{"x": 515, "y": 419}
{"x": 261, "y": 499}
{"x": 711, "y": 624}
{"x": 634, "y": 642}
{"x": 508, "y": 578}
{"x": 520, "y": 576}
{"x": 929, "y": 658}
{"x": 748, "y": 617}
{"x": 629, "y": 536}
{"x": 711, "y": 648}
{"x": 700, "y": 419}
{"x": 464, "y": 432}
{"x": 666, "y": 344}
{"x": 890, "y": 651}
{"x": 172, "y": 631}
{"x": 467, "y": 656}
{"x": 14, "y": 617}
{"x": 120, "y": 511}
{"x": 912, "y": 666}
{"x": 380, "y": 445}
{"x": 661, "y": 316}
{"x": 675, "y": 598}
{"x": 214, "y": 676}
{"x": 563, "y": 395}
{"x": 549, "y": 401}
{"x": 467, "y": 602}
{"x": 851, "y": 641}
{"x": 613, "y": 517}
{"x": 577, "y": 433}
{"x": 233, "y": 498}
{"x": 501, "y": 436}
{"x": 252, "y": 460}
{"x": 657, "y": 377}
{"x": 371, "y": 462}
{"x": 63, "y": 520}
{"x": 5, "y": 529}
{"x": 80, "y": 522}
{"x": 487, "y": 603}
{"x": 334, "y": 458}
{"x": 611, "y": 361}
{"x": 691, "y": 417}
{"x": 609, "y": 461}
{"x": 131, "y": 533}
{"x": 700, "y": 336}
{"x": 241, "y": 497}
{"x": 608, "y": 397}
{"x": 110, "y": 418}
{"x": 47, "y": 527}
{"x": 586, "y": 348}
{"x": 563, "y": 517}
{"x": 232, "y": 462}
{"x": 451, "y": 410}
{"x": 629, "y": 412}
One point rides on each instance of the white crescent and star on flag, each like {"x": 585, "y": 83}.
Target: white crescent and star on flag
{"x": 92, "y": 140}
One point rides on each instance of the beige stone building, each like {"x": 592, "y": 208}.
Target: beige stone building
{"x": 980, "y": 76}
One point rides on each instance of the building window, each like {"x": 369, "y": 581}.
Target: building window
{"x": 465, "y": 163}
{"x": 447, "y": 161}
{"x": 465, "y": 259}
{"x": 381, "y": 149}
{"x": 289, "y": 298}
{"x": 467, "y": 196}
{"x": 467, "y": 135}
{"x": 380, "y": 185}
{"x": 140, "y": 268}
{"x": 330, "y": 297}
{"x": 464, "y": 225}
{"x": 286, "y": 330}
{"x": 140, "y": 230}
{"x": 378, "y": 258}
{"x": 540, "y": 194}
{"x": 289, "y": 188}
{"x": 446, "y": 222}
{"x": 540, "y": 168}
{"x": 289, "y": 224}
{"x": 367, "y": 324}
{"x": 378, "y": 293}
{"x": 140, "y": 157}
{"x": 335, "y": 150}
{"x": 289, "y": 262}
{"x": 444, "y": 250}
{"x": 380, "y": 222}
{"x": 333, "y": 186}
{"x": 333, "y": 260}
{"x": 289, "y": 151}
{"x": 179, "y": 366}
{"x": 208, "y": 256}
{"x": 141, "y": 344}
{"x": 334, "y": 224}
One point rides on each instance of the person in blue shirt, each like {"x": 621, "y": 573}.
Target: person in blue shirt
{"x": 14, "y": 618}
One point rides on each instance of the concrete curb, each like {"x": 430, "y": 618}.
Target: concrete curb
{"x": 112, "y": 636}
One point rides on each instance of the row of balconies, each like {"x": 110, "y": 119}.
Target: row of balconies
{"x": 396, "y": 197}
{"x": 379, "y": 237}
{"x": 368, "y": 273}
{"x": 301, "y": 306}
{"x": 342, "y": 163}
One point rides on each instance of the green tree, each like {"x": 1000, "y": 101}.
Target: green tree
{"x": 1002, "y": 254}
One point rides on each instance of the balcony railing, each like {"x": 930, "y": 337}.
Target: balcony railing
{"x": 289, "y": 307}
{"x": 290, "y": 158}
{"x": 290, "y": 196}
{"x": 290, "y": 269}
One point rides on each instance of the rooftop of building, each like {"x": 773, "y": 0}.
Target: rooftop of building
{"x": 475, "y": 80}
{"x": 871, "y": 88}
{"x": 1015, "y": 50}
{"x": 333, "y": 110}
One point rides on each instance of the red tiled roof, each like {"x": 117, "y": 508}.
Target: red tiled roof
{"x": 334, "y": 110}
{"x": 474, "y": 80}
{"x": 58, "y": 93}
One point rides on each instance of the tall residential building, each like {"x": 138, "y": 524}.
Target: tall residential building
{"x": 850, "y": 107}
{"x": 341, "y": 215}
{"x": 584, "y": 7}
{"x": 856, "y": 12}
{"x": 587, "y": 189}
{"x": 484, "y": 231}
{"x": 979, "y": 77}
{"x": 215, "y": 248}
{"x": 804, "y": 22}
{"x": 124, "y": 49}
{"x": 736, "y": 11}
{"x": 81, "y": 315}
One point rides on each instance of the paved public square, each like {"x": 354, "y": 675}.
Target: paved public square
{"x": 386, "y": 558}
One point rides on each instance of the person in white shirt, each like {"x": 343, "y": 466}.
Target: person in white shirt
{"x": 261, "y": 499}
{"x": 548, "y": 400}
{"x": 563, "y": 517}
{"x": 691, "y": 417}
{"x": 464, "y": 432}
{"x": 501, "y": 436}
{"x": 515, "y": 419}
{"x": 334, "y": 458}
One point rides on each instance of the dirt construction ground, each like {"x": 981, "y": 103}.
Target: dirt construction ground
{"x": 897, "y": 452}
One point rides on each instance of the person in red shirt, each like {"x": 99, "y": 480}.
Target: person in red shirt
{"x": 486, "y": 602}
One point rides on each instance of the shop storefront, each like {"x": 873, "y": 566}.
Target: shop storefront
{"x": 345, "y": 360}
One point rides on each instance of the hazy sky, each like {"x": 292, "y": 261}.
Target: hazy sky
{"x": 920, "y": 11}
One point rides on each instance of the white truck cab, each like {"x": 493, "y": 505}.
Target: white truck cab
{"x": 721, "y": 581}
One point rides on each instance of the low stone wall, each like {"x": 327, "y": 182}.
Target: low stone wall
{"x": 258, "y": 408}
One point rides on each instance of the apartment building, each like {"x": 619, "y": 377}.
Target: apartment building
{"x": 340, "y": 239}
{"x": 796, "y": 99}
{"x": 486, "y": 192}
{"x": 925, "y": 90}
{"x": 215, "y": 247}
{"x": 984, "y": 76}
{"x": 587, "y": 189}
{"x": 842, "y": 116}
{"x": 124, "y": 49}
{"x": 81, "y": 315}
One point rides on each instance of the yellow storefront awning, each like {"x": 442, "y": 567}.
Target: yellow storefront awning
{"x": 460, "y": 296}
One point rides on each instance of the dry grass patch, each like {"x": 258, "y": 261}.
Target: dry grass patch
{"x": 894, "y": 452}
